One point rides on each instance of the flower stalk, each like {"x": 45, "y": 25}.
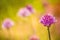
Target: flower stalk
{"x": 49, "y": 33}
{"x": 47, "y": 20}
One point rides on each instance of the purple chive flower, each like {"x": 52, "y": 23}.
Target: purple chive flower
{"x": 23, "y": 12}
{"x": 7, "y": 23}
{"x": 47, "y": 20}
{"x": 34, "y": 37}
{"x": 30, "y": 8}
{"x": 26, "y": 11}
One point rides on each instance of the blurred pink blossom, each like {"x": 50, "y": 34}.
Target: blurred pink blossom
{"x": 7, "y": 23}
{"x": 23, "y": 12}
{"x": 30, "y": 8}
{"x": 26, "y": 11}
{"x": 34, "y": 37}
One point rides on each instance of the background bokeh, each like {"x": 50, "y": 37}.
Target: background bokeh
{"x": 22, "y": 29}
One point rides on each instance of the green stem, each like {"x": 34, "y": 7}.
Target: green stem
{"x": 49, "y": 34}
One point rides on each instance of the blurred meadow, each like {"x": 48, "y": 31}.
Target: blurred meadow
{"x": 22, "y": 28}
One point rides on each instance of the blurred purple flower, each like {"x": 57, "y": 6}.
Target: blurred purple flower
{"x": 34, "y": 37}
{"x": 47, "y": 20}
{"x": 30, "y": 8}
{"x": 23, "y": 12}
{"x": 7, "y": 23}
{"x": 26, "y": 11}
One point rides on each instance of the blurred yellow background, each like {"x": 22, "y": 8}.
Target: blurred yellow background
{"x": 23, "y": 27}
